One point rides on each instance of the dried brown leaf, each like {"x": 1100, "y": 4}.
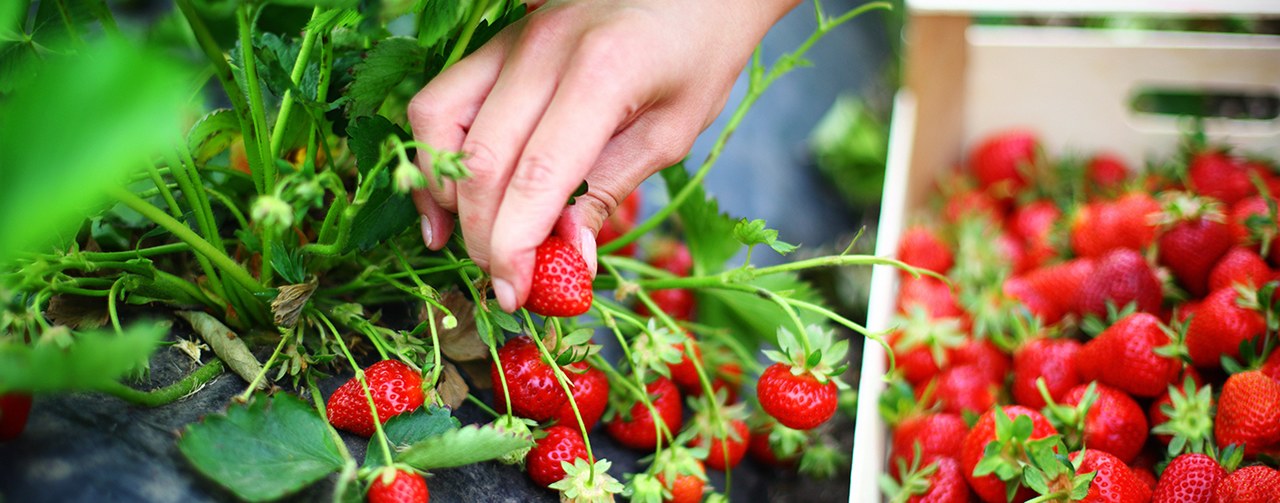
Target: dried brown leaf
{"x": 289, "y": 302}
{"x": 451, "y": 388}
{"x": 76, "y": 311}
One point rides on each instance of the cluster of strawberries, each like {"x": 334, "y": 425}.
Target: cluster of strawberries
{"x": 1102, "y": 336}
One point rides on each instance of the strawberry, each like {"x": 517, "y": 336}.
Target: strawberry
{"x": 1218, "y": 327}
{"x": 1122, "y": 276}
{"x": 684, "y": 487}
{"x": 724, "y": 452}
{"x": 620, "y": 222}
{"x": 795, "y": 397}
{"x": 985, "y": 355}
{"x": 1217, "y": 174}
{"x": 922, "y": 345}
{"x": 678, "y": 303}
{"x": 637, "y": 428}
{"x": 1113, "y": 423}
{"x": 1253, "y": 224}
{"x": 1050, "y": 292}
{"x": 561, "y": 282}
{"x": 963, "y": 388}
{"x": 1033, "y": 224}
{"x": 560, "y": 444}
{"x": 921, "y": 247}
{"x": 931, "y": 293}
{"x": 939, "y": 481}
{"x": 1124, "y": 356}
{"x": 1194, "y": 236}
{"x": 1003, "y": 161}
{"x": 1182, "y": 418}
{"x": 1147, "y": 476}
{"x": 1271, "y": 367}
{"x": 530, "y": 381}
{"x": 590, "y": 392}
{"x": 1189, "y": 478}
{"x": 671, "y": 256}
{"x": 996, "y": 426}
{"x": 1251, "y": 484}
{"x": 1053, "y": 360}
{"x": 970, "y": 203}
{"x": 1113, "y": 481}
{"x": 776, "y": 445}
{"x": 396, "y": 388}
{"x": 1106, "y": 171}
{"x": 14, "y": 409}
{"x": 1249, "y": 412}
{"x": 1242, "y": 266}
{"x": 1103, "y": 226}
{"x": 931, "y": 435}
{"x": 684, "y": 374}
{"x": 392, "y": 485}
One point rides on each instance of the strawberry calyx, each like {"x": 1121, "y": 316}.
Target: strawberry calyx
{"x": 918, "y": 329}
{"x": 656, "y": 349}
{"x": 645, "y": 488}
{"x": 518, "y": 427}
{"x": 1190, "y": 419}
{"x": 1069, "y": 419}
{"x": 825, "y": 360}
{"x": 823, "y": 460}
{"x": 915, "y": 479}
{"x": 1007, "y": 454}
{"x": 586, "y": 482}
{"x": 1053, "y": 475}
{"x": 899, "y": 402}
{"x": 1178, "y": 207}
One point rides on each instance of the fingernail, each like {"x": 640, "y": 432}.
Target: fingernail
{"x": 587, "y": 245}
{"x": 426, "y": 231}
{"x": 505, "y": 293}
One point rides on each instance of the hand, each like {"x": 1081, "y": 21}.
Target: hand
{"x": 603, "y": 91}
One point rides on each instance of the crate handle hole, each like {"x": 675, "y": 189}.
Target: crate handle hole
{"x": 1234, "y": 104}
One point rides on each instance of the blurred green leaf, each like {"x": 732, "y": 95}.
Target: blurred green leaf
{"x": 94, "y": 358}
{"x": 441, "y": 17}
{"x": 383, "y": 68}
{"x": 317, "y": 3}
{"x": 463, "y": 446}
{"x": 750, "y": 317}
{"x": 77, "y": 127}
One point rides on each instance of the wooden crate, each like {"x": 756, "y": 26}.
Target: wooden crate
{"x": 1073, "y": 86}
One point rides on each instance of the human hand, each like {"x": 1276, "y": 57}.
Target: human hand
{"x": 603, "y": 91}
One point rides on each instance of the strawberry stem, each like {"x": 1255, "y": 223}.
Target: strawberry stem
{"x": 387, "y": 459}
{"x": 253, "y": 385}
{"x": 563, "y": 380}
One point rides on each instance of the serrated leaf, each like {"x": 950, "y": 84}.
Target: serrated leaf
{"x": 212, "y": 134}
{"x": 440, "y": 18}
{"x": 95, "y": 358}
{"x": 707, "y": 231}
{"x": 387, "y": 213}
{"x": 272, "y": 447}
{"x": 754, "y": 232}
{"x": 316, "y": 3}
{"x": 464, "y": 446}
{"x": 383, "y": 67}
{"x": 333, "y": 18}
{"x": 405, "y": 430}
{"x": 506, "y": 321}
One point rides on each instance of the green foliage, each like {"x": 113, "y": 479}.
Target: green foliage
{"x": 708, "y": 232}
{"x": 754, "y": 232}
{"x": 272, "y": 447}
{"x": 463, "y": 446}
{"x": 751, "y": 317}
{"x": 405, "y": 430}
{"x": 387, "y": 213}
{"x": 84, "y": 361}
{"x": 388, "y": 63}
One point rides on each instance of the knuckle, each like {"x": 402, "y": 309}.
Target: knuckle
{"x": 596, "y": 206}
{"x": 482, "y": 164}
{"x": 535, "y": 173}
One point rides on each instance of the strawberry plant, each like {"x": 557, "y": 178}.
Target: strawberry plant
{"x": 243, "y": 167}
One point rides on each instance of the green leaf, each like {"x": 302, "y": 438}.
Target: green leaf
{"x": 464, "y": 446}
{"x": 405, "y": 430}
{"x": 751, "y": 318}
{"x": 367, "y": 136}
{"x": 54, "y": 170}
{"x": 440, "y": 18}
{"x": 316, "y": 3}
{"x": 707, "y": 231}
{"x": 93, "y": 359}
{"x": 213, "y": 134}
{"x": 754, "y": 232}
{"x": 272, "y": 447}
{"x": 383, "y": 68}
{"x": 387, "y": 213}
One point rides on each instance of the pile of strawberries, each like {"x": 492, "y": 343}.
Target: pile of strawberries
{"x": 1102, "y": 336}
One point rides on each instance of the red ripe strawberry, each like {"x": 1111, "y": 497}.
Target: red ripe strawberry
{"x": 939, "y": 435}
{"x": 972, "y": 203}
{"x": 1003, "y": 161}
{"x": 1033, "y": 224}
{"x": 1147, "y": 476}
{"x": 685, "y": 374}
{"x": 620, "y": 222}
{"x": 1252, "y": 225}
{"x": 395, "y": 387}
{"x": 921, "y": 247}
{"x": 1189, "y": 478}
{"x": 1248, "y": 412}
{"x": 678, "y": 303}
{"x": 1011, "y": 251}
{"x": 1239, "y": 265}
{"x": 1195, "y": 235}
{"x": 1122, "y": 276}
{"x": 398, "y": 486}
{"x": 672, "y": 256}
{"x": 923, "y": 345}
{"x": 989, "y": 487}
{"x": 686, "y": 488}
{"x": 560, "y": 444}
{"x": 1103, "y": 226}
{"x": 1114, "y": 482}
{"x": 963, "y": 388}
{"x": 639, "y": 431}
{"x": 1124, "y": 356}
{"x": 1184, "y": 410}
{"x": 1050, "y": 292}
{"x": 1107, "y": 171}
{"x": 1271, "y": 367}
{"x": 930, "y": 293}
{"x": 1251, "y": 484}
{"x": 535, "y": 392}
{"x": 1053, "y": 360}
{"x": 1114, "y": 424}
{"x": 561, "y": 282}
{"x": 985, "y": 355}
{"x": 944, "y": 484}
{"x": 1219, "y": 326}
{"x": 591, "y": 393}
{"x": 1216, "y": 174}
{"x": 14, "y": 409}
{"x": 725, "y": 453}
{"x": 800, "y": 402}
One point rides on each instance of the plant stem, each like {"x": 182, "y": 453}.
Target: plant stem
{"x": 464, "y": 39}
{"x": 139, "y": 253}
{"x": 387, "y": 459}
{"x": 286, "y": 102}
{"x": 168, "y": 394}
{"x": 253, "y": 385}
{"x": 563, "y": 380}
{"x": 483, "y": 406}
{"x": 184, "y": 233}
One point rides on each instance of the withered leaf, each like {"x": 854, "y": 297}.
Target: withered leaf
{"x": 289, "y": 302}
{"x": 451, "y": 387}
{"x": 76, "y": 311}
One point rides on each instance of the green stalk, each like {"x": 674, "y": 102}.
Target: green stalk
{"x": 563, "y": 380}
{"x": 181, "y": 176}
{"x": 168, "y": 394}
{"x": 184, "y": 233}
{"x": 286, "y": 102}
{"x": 464, "y": 39}
{"x": 257, "y": 134}
{"x": 139, "y": 253}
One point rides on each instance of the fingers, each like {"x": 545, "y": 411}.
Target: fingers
{"x": 440, "y": 115}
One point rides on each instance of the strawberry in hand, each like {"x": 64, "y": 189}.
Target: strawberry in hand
{"x": 800, "y": 389}
{"x": 561, "y": 281}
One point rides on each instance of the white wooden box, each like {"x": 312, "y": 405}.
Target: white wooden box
{"x": 1072, "y": 86}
